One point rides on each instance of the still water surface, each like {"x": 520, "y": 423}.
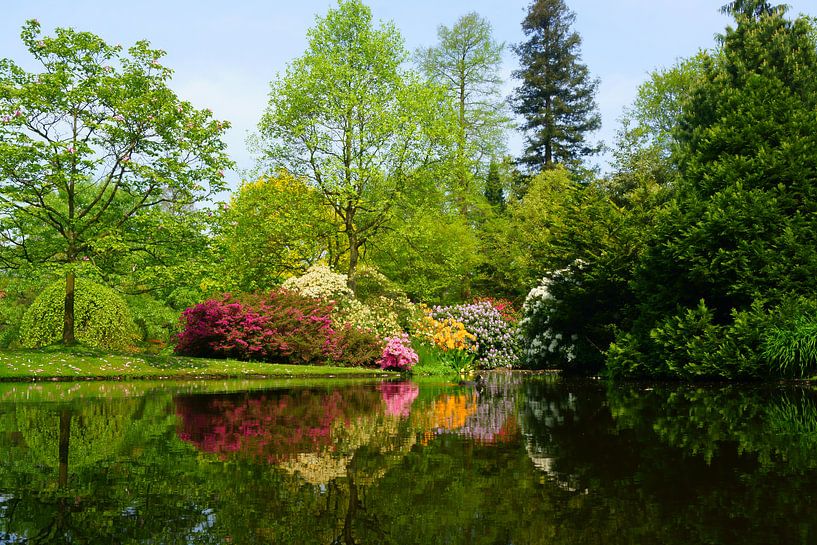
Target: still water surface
{"x": 515, "y": 459}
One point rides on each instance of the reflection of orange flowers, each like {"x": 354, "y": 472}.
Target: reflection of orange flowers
{"x": 447, "y": 334}
{"x": 447, "y": 413}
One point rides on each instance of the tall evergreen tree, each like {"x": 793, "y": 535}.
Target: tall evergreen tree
{"x": 739, "y": 242}
{"x": 494, "y": 193}
{"x": 557, "y": 95}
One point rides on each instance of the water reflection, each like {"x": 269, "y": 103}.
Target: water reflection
{"x": 508, "y": 458}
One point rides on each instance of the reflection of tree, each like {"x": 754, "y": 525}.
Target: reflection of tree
{"x": 589, "y": 465}
{"x": 83, "y": 433}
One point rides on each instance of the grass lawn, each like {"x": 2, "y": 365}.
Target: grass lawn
{"x": 83, "y": 363}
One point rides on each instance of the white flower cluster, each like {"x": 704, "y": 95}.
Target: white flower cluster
{"x": 320, "y": 282}
{"x": 541, "y": 343}
{"x": 376, "y": 319}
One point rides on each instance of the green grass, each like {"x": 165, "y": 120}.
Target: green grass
{"x": 55, "y": 363}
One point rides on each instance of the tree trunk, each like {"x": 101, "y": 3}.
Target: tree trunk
{"x": 68, "y": 338}
{"x": 354, "y": 257}
{"x": 354, "y": 244}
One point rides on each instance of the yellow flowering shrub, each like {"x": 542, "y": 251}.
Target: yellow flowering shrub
{"x": 446, "y": 335}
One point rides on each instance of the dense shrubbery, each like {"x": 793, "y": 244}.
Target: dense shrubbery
{"x": 155, "y": 321}
{"x": 283, "y": 326}
{"x": 380, "y": 309}
{"x": 102, "y": 318}
{"x": 496, "y": 339}
{"x": 280, "y": 327}
{"x": 320, "y": 282}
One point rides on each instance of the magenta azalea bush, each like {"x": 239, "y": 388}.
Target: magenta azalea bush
{"x": 280, "y": 327}
{"x": 398, "y": 355}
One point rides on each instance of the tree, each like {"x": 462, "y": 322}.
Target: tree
{"x": 466, "y": 62}
{"x": 557, "y": 95}
{"x": 90, "y": 145}
{"x": 273, "y": 227}
{"x": 737, "y": 244}
{"x": 494, "y": 191}
{"x": 347, "y": 117}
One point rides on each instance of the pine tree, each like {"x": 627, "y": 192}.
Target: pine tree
{"x": 557, "y": 95}
{"x": 494, "y": 193}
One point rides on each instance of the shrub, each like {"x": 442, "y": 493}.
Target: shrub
{"x": 543, "y": 345}
{"x": 101, "y": 317}
{"x": 791, "y": 348}
{"x": 155, "y": 320}
{"x": 691, "y": 345}
{"x": 17, "y": 292}
{"x": 283, "y": 326}
{"x": 358, "y": 348}
{"x": 505, "y": 307}
{"x": 379, "y": 320}
{"x": 398, "y": 354}
{"x": 320, "y": 282}
{"x": 496, "y": 339}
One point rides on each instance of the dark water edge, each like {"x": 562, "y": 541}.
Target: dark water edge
{"x": 514, "y": 459}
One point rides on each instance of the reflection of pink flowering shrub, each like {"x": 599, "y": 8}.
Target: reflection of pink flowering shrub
{"x": 398, "y": 354}
{"x": 398, "y": 397}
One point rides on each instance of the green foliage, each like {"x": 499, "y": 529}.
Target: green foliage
{"x": 494, "y": 191}
{"x": 557, "y": 95}
{"x": 661, "y": 101}
{"x": 740, "y": 232}
{"x": 347, "y": 117}
{"x": 429, "y": 254}
{"x": 792, "y": 347}
{"x": 103, "y": 319}
{"x": 436, "y": 362}
{"x": 16, "y": 295}
{"x": 273, "y": 227}
{"x": 154, "y": 320}
{"x": 466, "y": 63}
{"x": 90, "y": 145}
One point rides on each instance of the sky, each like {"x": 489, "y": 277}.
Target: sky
{"x": 224, "y": 54}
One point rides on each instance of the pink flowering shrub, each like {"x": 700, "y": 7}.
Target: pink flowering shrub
{"x": 398, "y": 354}
{"x": 280, "y": 327}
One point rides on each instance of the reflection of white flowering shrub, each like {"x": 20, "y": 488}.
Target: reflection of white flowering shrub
{"x": 544, "y": 347}
{"x": 320, "y": 282}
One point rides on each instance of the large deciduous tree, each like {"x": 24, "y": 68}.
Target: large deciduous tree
{"x": 89, "y": 145}
{"x": 273, "y": 227}
{"x": 350, "y": 119}
{"x": 466, "y": 62}
{"x": 556, "y": 97}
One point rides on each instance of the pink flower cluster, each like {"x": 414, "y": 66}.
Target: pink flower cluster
{"x": 280, "y": 327}
{"x": 398, "y": 354}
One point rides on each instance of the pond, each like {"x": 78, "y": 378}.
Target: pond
{"x": 511, "y": 459}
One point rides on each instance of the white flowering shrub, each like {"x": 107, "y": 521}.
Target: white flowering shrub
{"x": 379, "y": 320}
{"x": 378, "y": 314}
{"x": 544, "y": 344}
{"x": 320, "y": 282}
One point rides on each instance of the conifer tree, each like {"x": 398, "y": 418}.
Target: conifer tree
{"x": 557, "y": 94}
{"x": 493, "y": 187}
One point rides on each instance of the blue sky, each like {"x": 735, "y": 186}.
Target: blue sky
{"x": 225, "y": 53}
